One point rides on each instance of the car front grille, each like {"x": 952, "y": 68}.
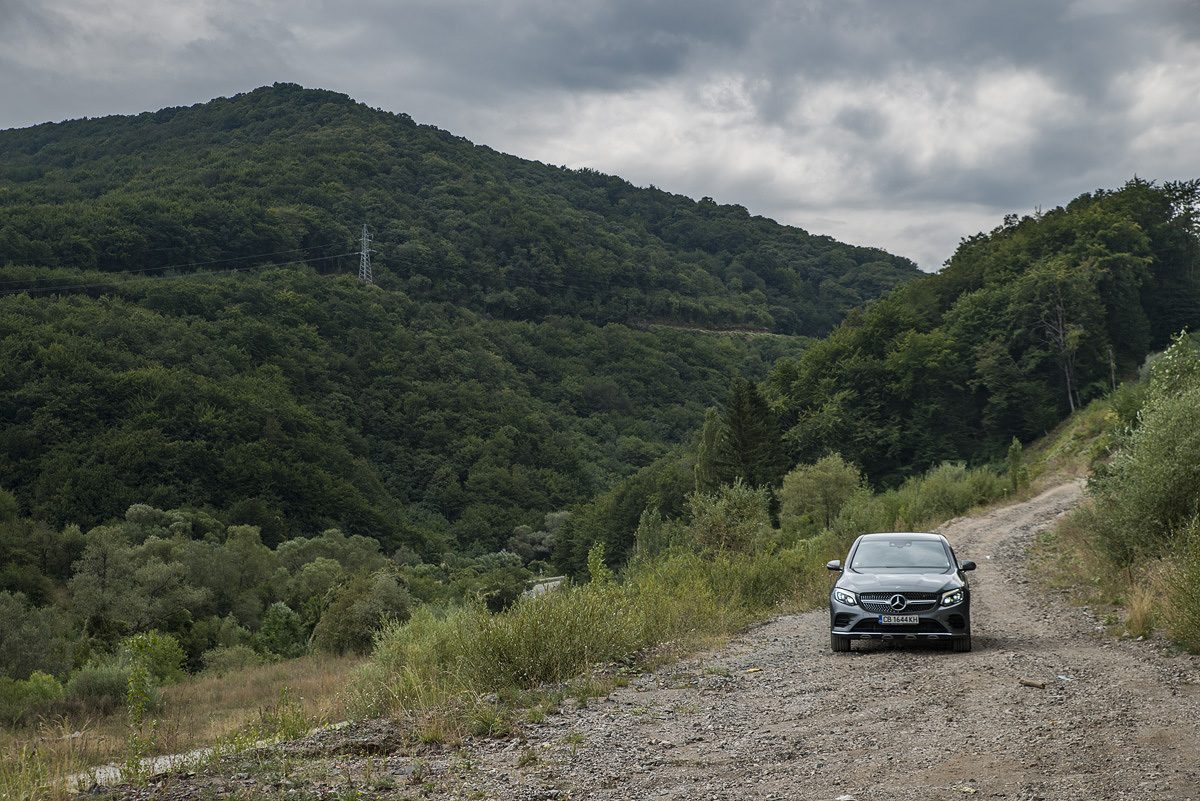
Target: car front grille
{"x": 882, "y": 602}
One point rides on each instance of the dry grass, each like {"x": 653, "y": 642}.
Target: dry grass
{"x": 1144, "y": 602}
{"x": 207, "y": 708}
{"x": 38, "y": 762}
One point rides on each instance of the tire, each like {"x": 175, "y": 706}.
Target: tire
{"x": 962, "y": 644}
{"x": 840, "y": 643}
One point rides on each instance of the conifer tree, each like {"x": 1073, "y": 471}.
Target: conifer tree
{"x": 748, "y": 445}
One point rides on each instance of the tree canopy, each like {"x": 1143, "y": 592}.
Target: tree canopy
{"x": 1023, "y": 325}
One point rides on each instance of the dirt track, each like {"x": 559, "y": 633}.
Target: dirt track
{"x": 777, "y": 715}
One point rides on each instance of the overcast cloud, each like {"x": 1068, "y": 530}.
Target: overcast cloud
{"x": 901, "y": 124}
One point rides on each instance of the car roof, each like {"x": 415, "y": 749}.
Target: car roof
{"x": 914, "y": 535}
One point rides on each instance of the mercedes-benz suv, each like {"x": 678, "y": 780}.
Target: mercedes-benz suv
{"x": 900, "y": 586}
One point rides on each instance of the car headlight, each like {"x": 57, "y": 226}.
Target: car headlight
{"x": 845, "y": 597}
{"x": 953, "y": 597}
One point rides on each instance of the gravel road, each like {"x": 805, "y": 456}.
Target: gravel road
{"x": 1043, "y": 707}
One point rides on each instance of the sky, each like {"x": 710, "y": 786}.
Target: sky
{"x": 906, "y": 125}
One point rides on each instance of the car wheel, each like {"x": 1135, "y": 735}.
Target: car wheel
{"x": 839, "y": 642}
{"x": 962, "y": 644}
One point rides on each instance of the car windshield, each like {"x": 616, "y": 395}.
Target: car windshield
{"x": 900, "y": 554}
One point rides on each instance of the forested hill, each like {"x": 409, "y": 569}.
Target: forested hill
{"x": 181, "y": 324}
{"x": 1026, "y": 324}
{"x": 284, "y": 174}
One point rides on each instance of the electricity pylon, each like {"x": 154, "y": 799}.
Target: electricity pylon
{"x": 364, "y": 261}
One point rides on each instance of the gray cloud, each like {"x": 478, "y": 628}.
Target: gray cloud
{"x": 905, "y": 124}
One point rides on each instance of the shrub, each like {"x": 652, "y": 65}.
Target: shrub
{"x": 1127, "y": 400}
{"x": 946, "y": 491}
{"x": 500, "y": 587}
{"x": 1018, "y": 473}
{"x": 230, "y": 659}
{"x": 149, "y": 658}
{"x": 734, "y": 518}
{"x": 100, "y": 688}
{"x": 1152, "y": 487}
{"x": 161, "y": 653}
{"x": 21, "y": 702}
{"x": 863, "y": 513}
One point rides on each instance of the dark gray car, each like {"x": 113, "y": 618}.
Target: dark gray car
{"x": 900, "y": 586}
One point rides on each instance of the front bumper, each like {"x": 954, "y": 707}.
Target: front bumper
{"x": 863, "y": 621}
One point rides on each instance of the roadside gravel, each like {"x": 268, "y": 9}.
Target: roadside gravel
{"x": 1042, "y": 708}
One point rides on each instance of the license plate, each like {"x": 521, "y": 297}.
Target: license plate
{"x": 899, "y": 620}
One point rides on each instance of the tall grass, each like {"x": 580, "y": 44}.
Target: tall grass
{"x": 51, "y": 758}
{"x": 1183, "y": 592}
{"x": 439, "y": 668}
{"x": 452, "y": 658}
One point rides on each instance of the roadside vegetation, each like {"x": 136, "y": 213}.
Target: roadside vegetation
{"x": 456, "y": 669}
{"x": 1133, "y": 549}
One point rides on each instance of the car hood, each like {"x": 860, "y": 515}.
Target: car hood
{"x": 899, "y": 582}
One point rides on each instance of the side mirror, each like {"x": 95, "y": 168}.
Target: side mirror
{"x": 966, "y": 564}
{"x": 836, "y": 564}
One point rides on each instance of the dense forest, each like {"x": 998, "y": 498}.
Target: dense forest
{"x": 212, "y": 429}
{"x": 181, "y": 324}
{"x": 1023, "y": 326}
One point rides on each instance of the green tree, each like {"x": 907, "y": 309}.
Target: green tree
{"x": 1061, "y": 310}
{"x": 33, "y": 639}
{"x": 282, "y": 633}
{"x": 358, "y": 610}
{"x": 812, "y": 495}
{"x": 103, "y": 591}
{"x": 736, "y": 518}
{"x": 748, "y": 444}
{"x": 708, "y": 451}
{"x": 613, "y": 517}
